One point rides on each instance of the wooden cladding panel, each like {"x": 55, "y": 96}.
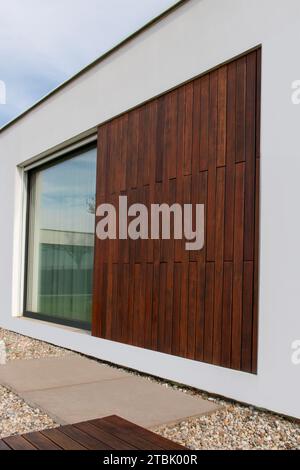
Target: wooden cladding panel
{"x": 197, "y": 144}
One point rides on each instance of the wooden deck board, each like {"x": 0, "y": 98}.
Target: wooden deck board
{"x": 111, "y": 433}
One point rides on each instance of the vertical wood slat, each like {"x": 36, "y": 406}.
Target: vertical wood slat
{"x": 241, "y": 75}
{"x": 256, "y": 274}
{"x": 197, "y": 144}
{"x": 200, "y": 314}
{"x": 192, "y": 309}
{"x": 222, "y": 117}
{"x": 258, "y": 100}
{"x": 133, "y": 149}
{"x": 230, "y": 162}
{"x": 250, "y": 157}
{"x": 196, "y": 127}
{"x": 161, "y": 345}
{"x": 204, "y": 124}
{"x": 257, "y": 215}
{"x": 238, "y": 266}
{"x": 247, "y": 321}
{"x": 227, "y": 315}
{"x": 188, "y": 123}
{"x": 209, "y": 313}
{"x": 212, "y": 167}
{"x": 219, "y": 265}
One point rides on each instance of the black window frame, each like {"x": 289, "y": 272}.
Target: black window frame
{"x": 85, "y": 326}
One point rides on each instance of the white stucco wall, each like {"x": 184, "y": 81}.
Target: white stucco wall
{"x": 193, "y": 39}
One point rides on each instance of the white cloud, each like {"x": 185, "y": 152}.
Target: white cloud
{"x": 42, "y": 43}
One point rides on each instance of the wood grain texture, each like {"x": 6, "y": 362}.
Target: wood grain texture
{"x": 197, "y": 144}
{"x": 111, "y": 433}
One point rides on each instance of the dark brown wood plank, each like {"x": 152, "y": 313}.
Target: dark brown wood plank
{"x": 133, "y": 149}
{"x": 125, "y": 434}
{"x": 18, "y": 443}
{"x": 258, "y": 101}
{"x": 227, "y": 315}
{"x": 124, "y": 302}
{"x": 192, "y": 309}
{"x": 200, "y": 257}
{"x": 212, "y": 168}
{"x": 204, "y": 125}
{"x": 159, "y": 164}
{"x": 219, "y": 266}
{"x": 152, "y": 140}
{"x": 136, "y": 304}
{"x": 185, "y": 320}
{"x": 250, "y": 158}
{"x": 128, "y": 334}
{"x": 115, "y": 330}
{"x": 200, "y": 315}
{"x": 124, "y": 149}
{"x": 196, "y": 126}
{"x": 241, "y": 75}
{"x": 162, "y": 306}
{"x": 41, "y": 442}
{"x": 176, "y": 320}
{"x": 247, "y": 323}
{"x": 4, "y": 446}
{"x": 188, "y": 127}
{"x": 115, "y": 136}
{"x": 209, "y": 312}
{"x": 169, "y": 308}
{"x": 222, "y": 116}
{"x": 62, "y": 440}
{"x": 155, "y": 306}
{"x": 143, "y": 161}
{"x": 148, "y": 304}
{"x": 237, "y": 306}
{"x": 170, "y": 135}
{"x": 257, "y": 221}
{"x": 102, "y": 162}
{"x": 149, "y": 436}
{"x": 230, "y": 162}
{"x": 84, "y": 438}
{"x": 101, "y": 437}
{"x": 256, "y": 274}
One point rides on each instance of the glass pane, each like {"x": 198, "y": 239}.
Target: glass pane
{"x": 61, "y": 240}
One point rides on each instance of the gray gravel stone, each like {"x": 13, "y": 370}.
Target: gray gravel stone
{"x": 23, "y": 348}
{"x": 16, "y": 417}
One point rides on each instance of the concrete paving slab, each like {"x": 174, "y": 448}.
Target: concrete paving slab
{"x": 42, "y": 374}
{"x": 137, "y": 399}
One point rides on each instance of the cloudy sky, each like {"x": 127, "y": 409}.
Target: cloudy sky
{"x": 44, "y": 42}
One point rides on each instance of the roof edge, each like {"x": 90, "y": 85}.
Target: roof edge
{"x": 97, "y": 61}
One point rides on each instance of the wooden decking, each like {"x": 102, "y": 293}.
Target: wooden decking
{"x": 111, "y": 433}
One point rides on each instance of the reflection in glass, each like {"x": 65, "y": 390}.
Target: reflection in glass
{"x": 61, "y": 240}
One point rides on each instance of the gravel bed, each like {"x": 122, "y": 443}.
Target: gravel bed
{"x": 24, "y": 348}
{"x": 234, "y": 427}
{"x": 16, "y": 417}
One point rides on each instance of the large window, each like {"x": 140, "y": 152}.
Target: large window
{"x": 60, "y": 246}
